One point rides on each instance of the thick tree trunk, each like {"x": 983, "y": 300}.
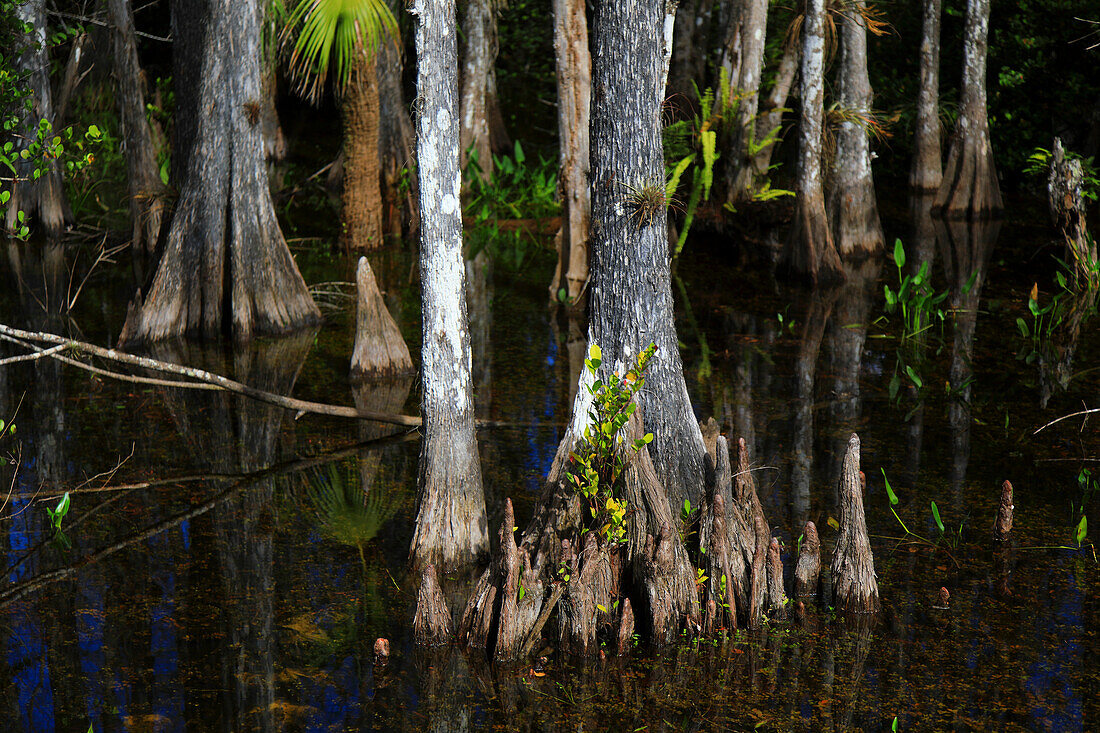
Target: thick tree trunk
{"x": 451, "y": 526}
{"x": 927, "y": 171}
{"x": 970, "y": 189}
{"x": 745, "y": 86}
{"x": 362, "y": 197}
{"x": 479, "y": 30}
{"x": 147, "y": 191}
{"x": 857, "y": 231}
{"x": 809, "y": 251}
{"x": 43, "y": 199}
{"x": 396, "y": 137}
{"x": 574, "y": 73}
{"x": 225, "y": 268}
{"x": 631, "y": 306}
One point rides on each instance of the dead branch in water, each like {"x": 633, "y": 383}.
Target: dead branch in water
{"x": 200, "y": 378}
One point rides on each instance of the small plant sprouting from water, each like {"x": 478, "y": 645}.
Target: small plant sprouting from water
{"x": 919, "y": 303}
{"x": 950, "y": 538}
{"x": 57, "y": 515}
{"x": 598, "y": 464}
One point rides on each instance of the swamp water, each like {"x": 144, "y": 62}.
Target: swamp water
{"x": 244, "y": 588}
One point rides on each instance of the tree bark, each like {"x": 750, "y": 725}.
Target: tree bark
{"x": 43, "y": 199}
{"x": 362, "y": 196}
{"x": 857, "y": 231}
{"x": 479, "y": 29}
{"x": 147, "y": 191}
{"x": 631, "y": 306}
{"x": 225, "y": 268}
{"x": 574, "y": 74}
{"x": 380, "y": 350}
{"x": 451, "y": 525}
{"x": 809, "y": 251}
{"x": 396, "y": 138}
{"x": 771, "y": 115}
{"x": 970, "y": 189}
{"x": 744, "y": 83}
{"x": 855, "y": 586}
{"x": 927, "y": 171}
{"x": 1065, "y": 188}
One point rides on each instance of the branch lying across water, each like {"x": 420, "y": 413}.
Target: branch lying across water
{"x": 196, "y": 378}
{"x": 1067, "y": 417}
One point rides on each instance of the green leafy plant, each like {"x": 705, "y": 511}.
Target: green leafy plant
{"x": 57, "y": 515}
{"x": 1038, "y": 165}
{"x": 916, "y": 299}
{"x": 946, "y": 538}
{"x": 596, "y": 468}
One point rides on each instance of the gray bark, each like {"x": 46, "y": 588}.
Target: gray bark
{"x": 574, "y": 73}
{"x": 451, "y": 525}
{"x": 42, "y": 200}
{"x": 855, "y": 585}
{"x": 479, "y": 29}
{"x": 396, "y": 137}
{"x": 927, "y": 172}
{"x": 225, "y": 268}
{"x": 970, "y": 188}
{"x": 745, "y": 85}
{"x": 809, "y": 251}
{"x": 857, "y": 231}
{"x": 771, "y": 114}
{"x": 147, "y": 202}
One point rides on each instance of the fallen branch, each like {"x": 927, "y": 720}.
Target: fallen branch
{"x": 1067, "y": 417}
{"x": 202, "y": 379}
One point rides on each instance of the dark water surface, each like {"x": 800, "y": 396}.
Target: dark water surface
{"x": 244, "y": 589}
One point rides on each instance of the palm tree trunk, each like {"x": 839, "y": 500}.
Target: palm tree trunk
{"x": 362, "y": 196}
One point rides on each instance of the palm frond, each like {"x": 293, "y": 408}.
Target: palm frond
{"x": 345, "y": 513}
{"x": 335, "y": 32}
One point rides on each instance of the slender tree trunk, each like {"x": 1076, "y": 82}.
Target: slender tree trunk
{"x": 927, "y": 172}
{"x": 970, "y": 189}
{"x": 479, "y": 30}
{"x": 226, "y": 268}
{"x": 362, "y": 196}
{"x": 857, "y": 231}
{"x": 746, "y": 87}
{"x": 574, "y": 72}
{"x": 451, "y": 526}
{"x": 396, "y": 138}
{"x": 809, "y": 251}
{"x": 42, "y": 199}
{"x": 771, "y": 112}
{"x": 147, "y": 202}
{"x": 685, "y": 55}
{"x": 500, "y": 142}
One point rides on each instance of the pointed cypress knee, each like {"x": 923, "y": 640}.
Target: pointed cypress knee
{"x": 432, "y": 623}
{"x": 808, "y": 570}
{"x": 626, "y": 626}
{"x": 777, "y": 595}
{"x": 380, "y": 349}
{"x": 1003, "y": 527}
{"x": 855, "y": 587}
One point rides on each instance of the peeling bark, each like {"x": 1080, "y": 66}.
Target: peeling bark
{"x": 970, "y": 189}
{"x": 451, "y": 525}
{"x": 225, "y": 268}
{"x": 432, "y": 622}
{"x": 927, "y": 170}
{"x": 808, "y": 570}
{"x": 1065, "y": 186}
{"x": 1003, "y": 526}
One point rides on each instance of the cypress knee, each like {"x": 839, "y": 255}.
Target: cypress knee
{"x": 855, "y": 587}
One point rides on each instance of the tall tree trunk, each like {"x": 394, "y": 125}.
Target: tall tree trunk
{"x": 226, "y": 268}
{"x": 809, "y": 251}
{"x": 857, "y": 231}
{"x": 574, "y": 72}
{"x": 479, "y": 28}
{"x": 745, "y": 86}
{"x": 771, "y": 115}
{"x": 362, "y": 196}
{"x": 451, "y": 526}
{"x": 631, "y": 306}
{"x": 927, "y": 172}
{"x": 970, "y": 188}
{"x": 396, "y": 138}
{"x": 42, "y": 199}
{"x": 147, "y": 202}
